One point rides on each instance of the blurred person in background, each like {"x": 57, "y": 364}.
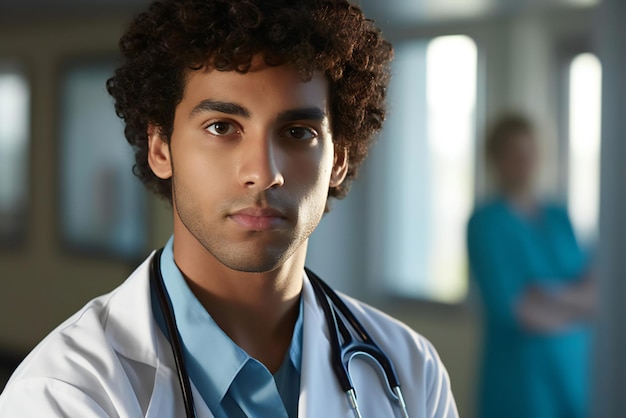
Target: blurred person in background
{"x": 536, "y": 288}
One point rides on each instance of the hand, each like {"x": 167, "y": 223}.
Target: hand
{"x": 538, "y": 312}
{"x": 550, "y": 309}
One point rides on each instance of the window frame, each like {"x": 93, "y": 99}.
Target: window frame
{"x": 97, "y": 247}
{"x": 375, "y": 292}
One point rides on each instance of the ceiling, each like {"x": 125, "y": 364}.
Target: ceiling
{"x": 423, "y": 11}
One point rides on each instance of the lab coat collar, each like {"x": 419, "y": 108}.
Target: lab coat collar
{"x": 131, "y": 320}
{"x": 136, "y": 336}
{"x": 317, "y": 379}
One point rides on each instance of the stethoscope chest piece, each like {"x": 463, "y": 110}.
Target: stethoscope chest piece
{"x": 345, "y": 347}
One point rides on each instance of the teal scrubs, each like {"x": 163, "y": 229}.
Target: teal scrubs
{"x": 526, "y": 374}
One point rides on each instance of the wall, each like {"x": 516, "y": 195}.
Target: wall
{"x": 41, "y": 283}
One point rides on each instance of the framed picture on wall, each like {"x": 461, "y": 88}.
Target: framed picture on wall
{"x": 103, "y": 206}
{"x": 14, "y": 154}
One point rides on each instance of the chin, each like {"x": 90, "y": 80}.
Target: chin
{"x": 254, "y": 267}
{"x": 254, "y": 255}
{"x": 260, "y": 263}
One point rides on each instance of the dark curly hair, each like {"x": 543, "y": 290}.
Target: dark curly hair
{"x": 175, "y": 37}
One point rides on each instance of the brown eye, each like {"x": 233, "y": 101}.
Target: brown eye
{"x": 300, "y": 133}
{"x": 221, "y": 128}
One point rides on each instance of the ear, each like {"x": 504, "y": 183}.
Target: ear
{"x": 159, "y": 157}
{"x": 340, "y": 167}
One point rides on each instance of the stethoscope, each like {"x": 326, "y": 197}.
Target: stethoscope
{"x": 344, "y": 347}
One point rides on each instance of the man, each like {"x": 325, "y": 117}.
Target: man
{"x": 246, "y": 116}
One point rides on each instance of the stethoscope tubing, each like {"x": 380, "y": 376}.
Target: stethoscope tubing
{"x": 175, "y": 341}
{"x": 341, "y": 353}
{"x": 368, "y": 345}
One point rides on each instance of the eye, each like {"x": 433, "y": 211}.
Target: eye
{"x": 300, "y": 133}
{"x": 221, "y": 128}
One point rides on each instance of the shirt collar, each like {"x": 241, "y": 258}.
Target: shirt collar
{"x": 295, "y": 349}
{"x": 206, "y": 346}
{"x": 213, "y": 359}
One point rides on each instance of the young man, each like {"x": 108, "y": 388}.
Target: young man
{"x": 245, "y": 115}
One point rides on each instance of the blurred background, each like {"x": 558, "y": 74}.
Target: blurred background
{"x": 74, "y": 222}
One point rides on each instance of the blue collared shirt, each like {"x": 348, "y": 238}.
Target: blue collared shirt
{"x": 232, "y": 383}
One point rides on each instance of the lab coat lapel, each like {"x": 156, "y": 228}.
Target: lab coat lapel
{"x": 320, "y": 393}
{"x": 167, "y": 397}
{"x": 131, "y": 319}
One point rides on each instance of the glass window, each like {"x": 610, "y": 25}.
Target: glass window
{"x": 428, "y": 170}
{"x": 585, "y": 89}
{"x": 14, "y": 134}
{"x": 103, "y": 205}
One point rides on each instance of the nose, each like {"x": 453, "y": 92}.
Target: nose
{"x": 260, "y": 163}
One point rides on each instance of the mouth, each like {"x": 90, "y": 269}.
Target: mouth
{"x": 258, "y": 218}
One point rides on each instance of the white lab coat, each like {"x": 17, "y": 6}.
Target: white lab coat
{"x": 110, "y": 359}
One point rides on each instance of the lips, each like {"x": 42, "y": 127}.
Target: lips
{"x": 258, "y": 218}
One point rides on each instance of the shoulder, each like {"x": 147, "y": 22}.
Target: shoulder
{"x": 81, "y": 354}
{"x": 387, "y": 328}
{"x": 555, "y": 209}
{"x": 488, "y": 218}
{"x": 556, "y": 216}
{"x": 489, "y": 211}
{"x": 63, "y": 366}
{"x": 397, "y": 338}
{"x": 417, "y": 360}
{"x": 421, "y": 372}
{"x": 74, "y": 335}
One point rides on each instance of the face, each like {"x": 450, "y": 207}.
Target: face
{"x": 251, "y": 159}
{"x": 517, "y": 161}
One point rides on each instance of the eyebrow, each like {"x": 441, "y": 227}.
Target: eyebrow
{"x": 208, "y": 105}
{"x": 222, "y": 107}
{"x": 308, "y": 113}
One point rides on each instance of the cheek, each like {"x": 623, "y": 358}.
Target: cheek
{"x": 311, "y": 170}
{"x": 314, "y": 181}
{"x": 200, "y": 172}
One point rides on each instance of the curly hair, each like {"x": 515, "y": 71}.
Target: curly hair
{"x": 172, "y": 38}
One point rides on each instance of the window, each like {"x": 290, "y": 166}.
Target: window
{"x": 427, "y": 170}
{"x": 585, "y": 80}
{"x": 103, "y": 205}
{"x": 14, "y": 133}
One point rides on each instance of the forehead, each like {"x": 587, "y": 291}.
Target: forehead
{"x": 262, "y": 87}
{"x": 519, "y": 142}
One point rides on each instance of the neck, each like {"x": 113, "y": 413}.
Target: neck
{"x": 522, "y": 198}
{"x": 257, "y": 311}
